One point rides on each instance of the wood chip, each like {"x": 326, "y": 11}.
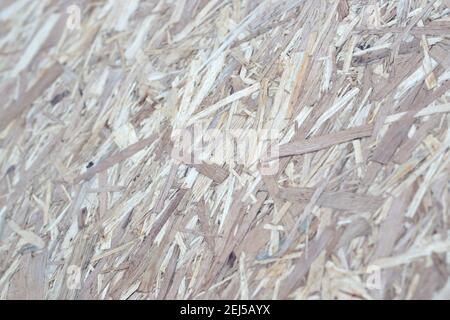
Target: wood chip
{"x": 322, "y": 142}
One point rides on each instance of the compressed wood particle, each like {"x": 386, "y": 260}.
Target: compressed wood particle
{"x": 208, "y": 149}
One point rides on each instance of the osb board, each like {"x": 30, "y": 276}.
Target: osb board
{"x": 94, "y": 206}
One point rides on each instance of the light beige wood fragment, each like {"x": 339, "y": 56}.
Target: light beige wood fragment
{"x": 318, "y": 143}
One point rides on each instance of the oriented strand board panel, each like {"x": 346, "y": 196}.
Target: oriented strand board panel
{"x": 209, "y": 149}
